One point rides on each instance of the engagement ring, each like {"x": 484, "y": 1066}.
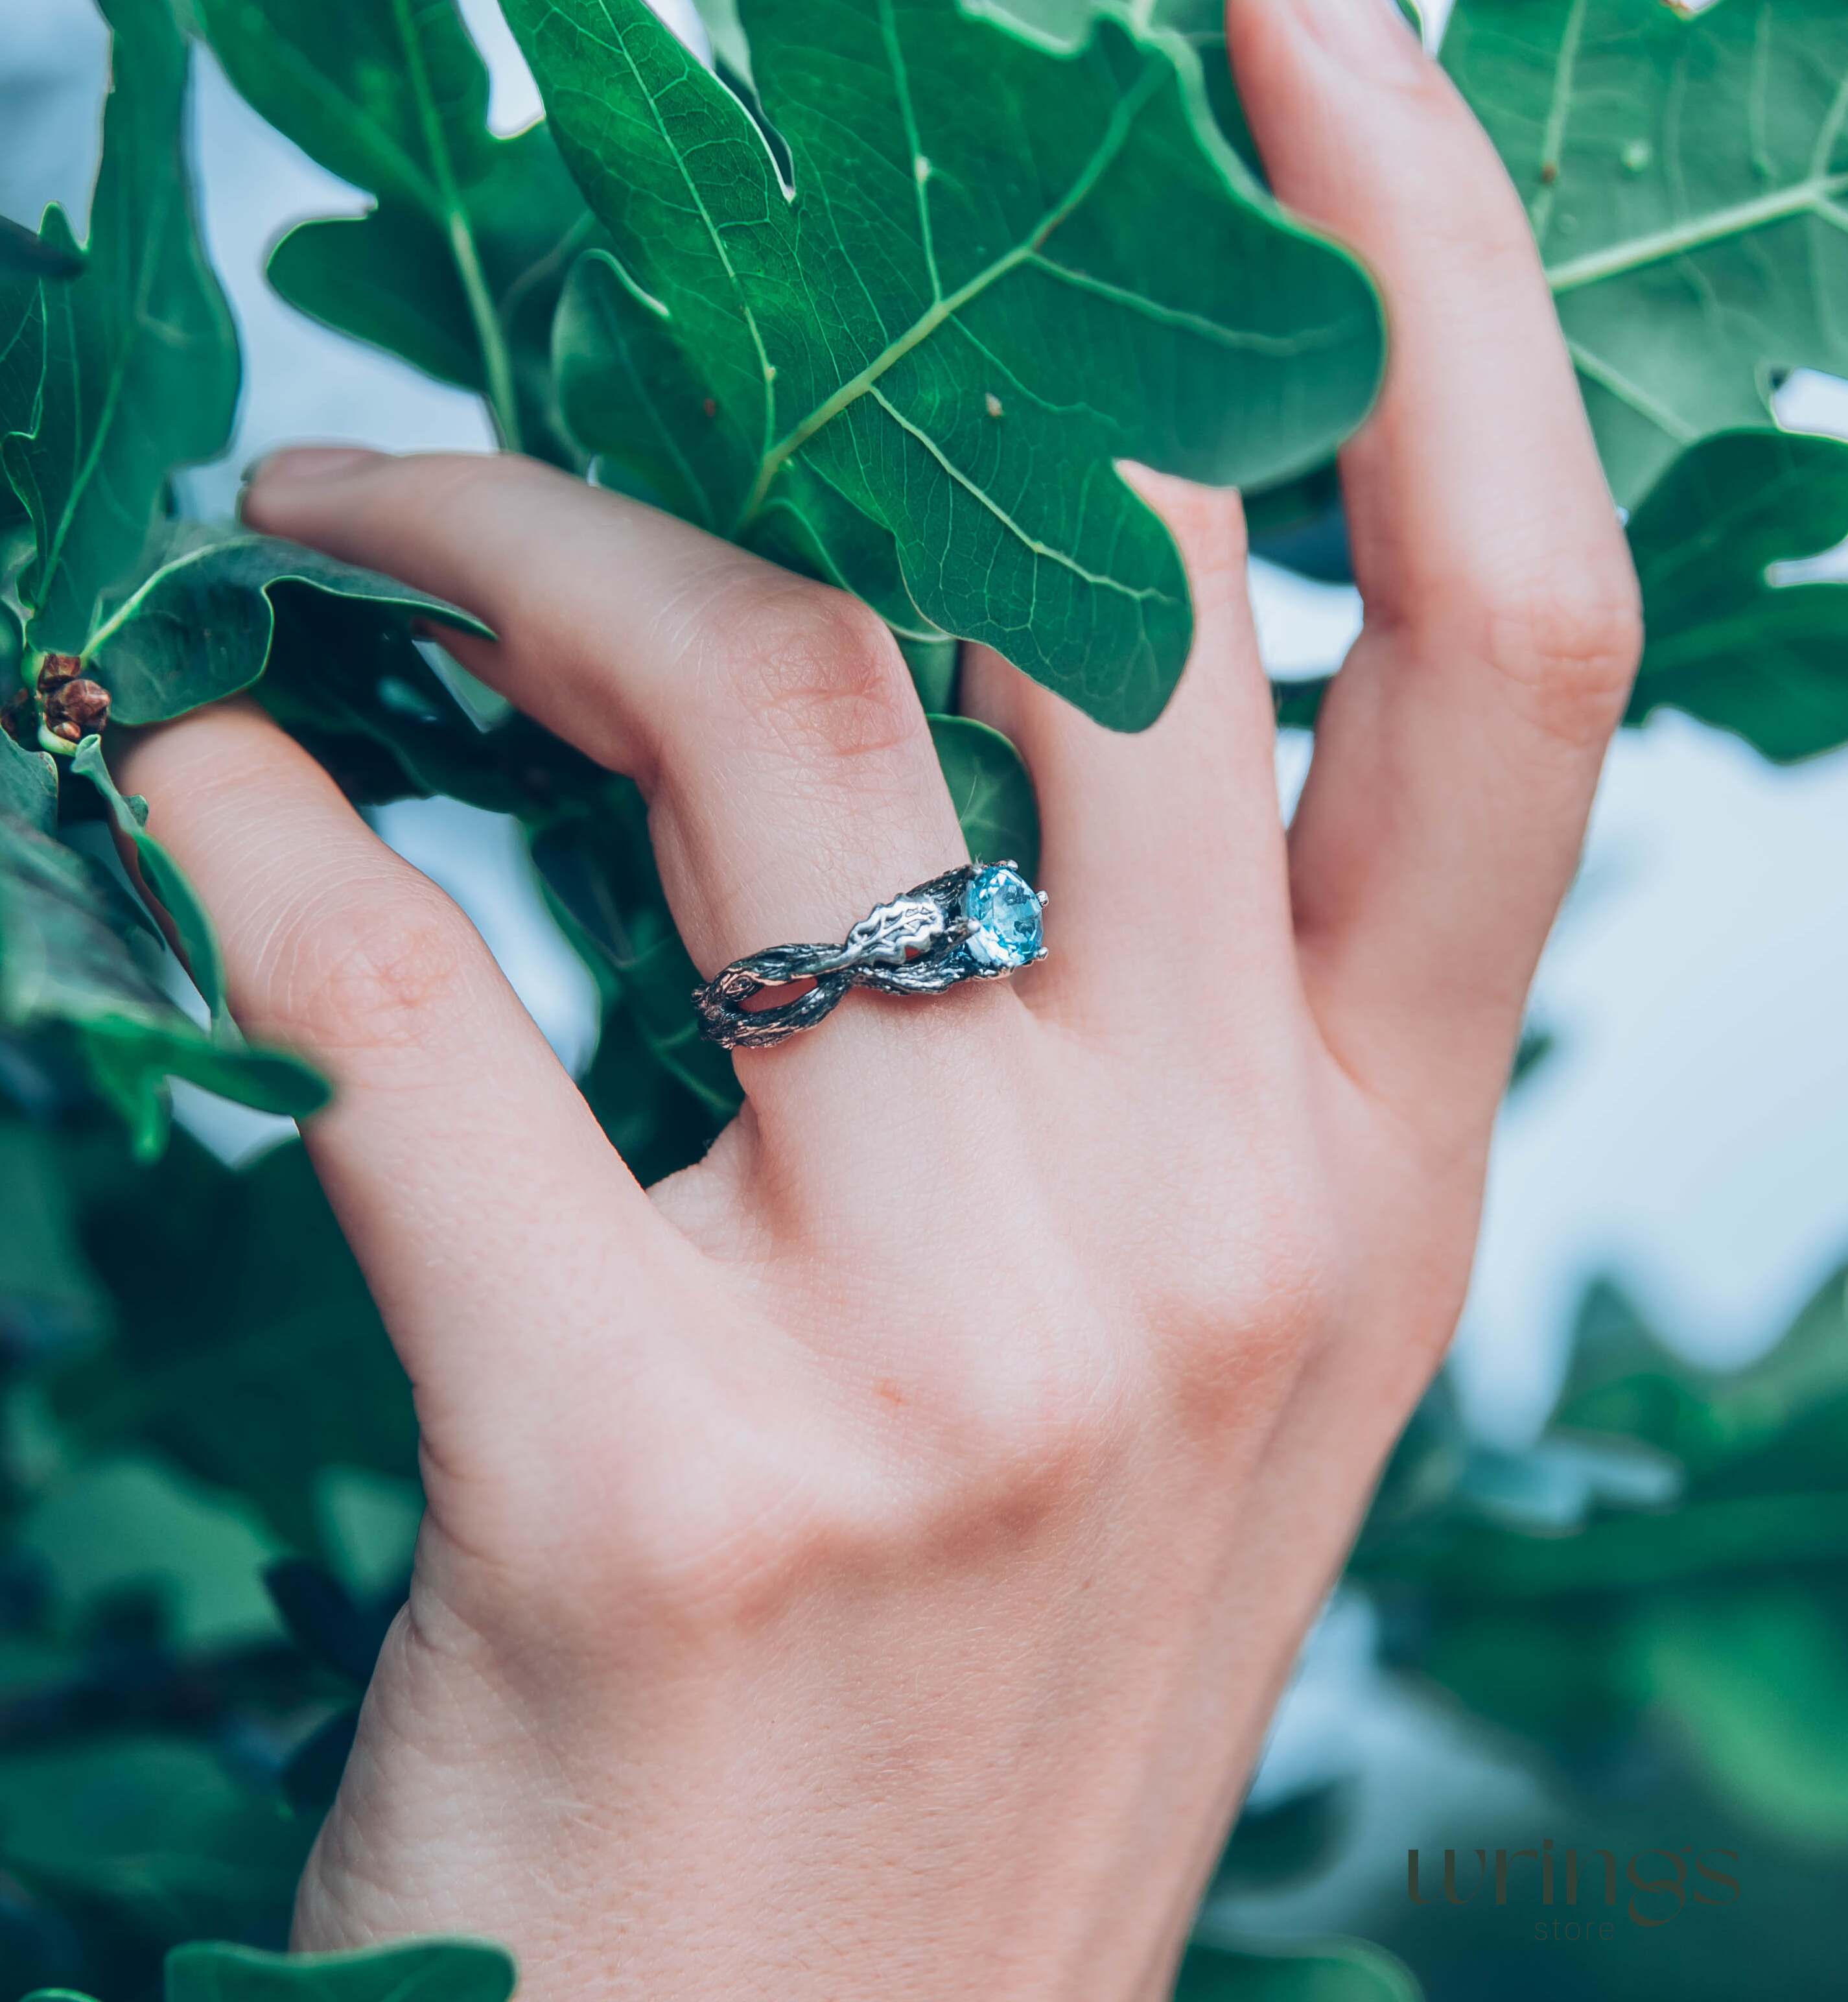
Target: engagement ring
{"x": 981, "y": 922}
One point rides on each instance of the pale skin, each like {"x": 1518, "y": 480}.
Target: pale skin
{"x": 867, "y": 1562}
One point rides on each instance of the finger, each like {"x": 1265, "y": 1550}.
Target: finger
{"x": 1163, "y": 849}
{"x": 1460, "y": 745}
{"x": 791, "y": 781}
{"x": 466, "y": 1169}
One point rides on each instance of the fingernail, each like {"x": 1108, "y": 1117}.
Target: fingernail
{"x": 307, "y": 461}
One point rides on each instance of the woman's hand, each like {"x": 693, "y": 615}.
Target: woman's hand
{"x": 865, "y": 1564}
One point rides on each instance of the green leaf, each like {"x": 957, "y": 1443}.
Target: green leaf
{"x": 166, "y": 882}
{"x": 1686, "y": 174}
{"x": 1002, "y": 267}
{"x": 253, "y": 1356}
{"x": 28, "y": 784}
{"x": 130, "y": 1524}
{"x": 1731, "y": 641}
{"x": 73, "y": 963}
{"x": 140, "y": 370}
{"x": 202, "y": 626}
{"x": 49, "y": 1295}
{"x": 599, "y": 877}
{"x": 458, "y": 268}
{"x": 1728, "y": 642}
{"x": 1338, "y": 1971}
{"x": 992, "y": 793}
{"x": 1754, "y": 1680}
{"x": 1296, "y": 1839}
{"x": 21, "y": 253}
{"x": 21, "y": 382}
{"x": 432, "y": 1970}
{"x": 156, "y": 1827}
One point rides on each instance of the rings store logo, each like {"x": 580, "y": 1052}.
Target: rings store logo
{"x": 1578, "y": 1894}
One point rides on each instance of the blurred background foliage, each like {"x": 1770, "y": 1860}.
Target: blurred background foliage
{"x": 1630, "y": 1635}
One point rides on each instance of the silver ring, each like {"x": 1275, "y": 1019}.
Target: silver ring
{"x": 981, "y": 922}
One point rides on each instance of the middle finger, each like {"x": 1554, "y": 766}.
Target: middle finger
{"x": 771, "y": 723}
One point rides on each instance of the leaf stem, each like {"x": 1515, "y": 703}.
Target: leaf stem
{"x": 496, "y": 360}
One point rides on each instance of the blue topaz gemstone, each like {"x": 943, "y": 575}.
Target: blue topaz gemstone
{"x": 1004, "y": 910}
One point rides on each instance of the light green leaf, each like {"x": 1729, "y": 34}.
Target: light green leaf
{"x": 140, "y": 370}
{"x": 1686, "y": 174}
{"x": 1728, "y": 642}
{"x": 992, "y": 792}
{"x": 458, "y": 268}
{"x": 201, "y": 626}
{"x": 432, "y": 1970}
{"x": 1002, "y": 268}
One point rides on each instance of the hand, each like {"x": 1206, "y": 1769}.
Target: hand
{"x": 866, "y": 1563}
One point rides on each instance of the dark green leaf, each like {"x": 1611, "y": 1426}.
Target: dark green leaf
{"x": 1272, "y": 1846}
{"x": 1686, "y": 170}
{"x": 142, "y": 368}
{"x": 458, "y": 268}
{"x": 992, "y": 792}
{"x": 21, "y": 253}
{"x": 435, "y": 1970}
{"x": 312, "y": 1777}
{"x": 200, "y": 627}
{"x": 326, "y": 1620}
{"x": 1726, "y": 641}
{"x": 1003, "y": 268}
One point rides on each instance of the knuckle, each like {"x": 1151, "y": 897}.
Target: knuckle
{"x": 818, "y": 671}
{"x": 1252, "y": 1311}
{"x": 1029, "y": 1432}
{"x": 1569, "y": 649}
{"x": 369, "y": 972}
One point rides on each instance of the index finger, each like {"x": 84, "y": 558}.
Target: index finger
{"x": 464, "y": 1167}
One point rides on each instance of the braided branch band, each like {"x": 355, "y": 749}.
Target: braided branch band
{"x": 911, "y": 945}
